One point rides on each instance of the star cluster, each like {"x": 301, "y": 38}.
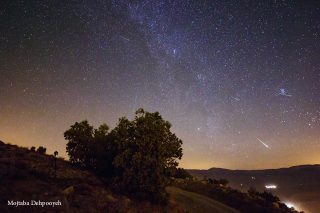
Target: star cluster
{"x": 239, "y": 81}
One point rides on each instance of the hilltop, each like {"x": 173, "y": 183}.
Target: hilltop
{"x": 27, "y": 175}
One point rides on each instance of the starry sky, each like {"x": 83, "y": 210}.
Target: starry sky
{"x": 238, "y": 80}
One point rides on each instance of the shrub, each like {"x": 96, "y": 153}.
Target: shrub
{"x": 41, "y": 150}
{"x": 210, "y": 181}
{"x": 180, "y": 173}
{"x": 252, "y": 192}
{"x": 223, "y": 182}
{"x": 269, "y": 197}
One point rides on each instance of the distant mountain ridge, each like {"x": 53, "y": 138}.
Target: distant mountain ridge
{"x": 291, "y": 167}
{"x": 297, "y": 184}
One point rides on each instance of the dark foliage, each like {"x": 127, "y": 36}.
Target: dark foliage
{"x": 106, "y": 151}
{"x": 210, "y": 181}
{"x": 135, "y": 156}
{"x": 41, "y": 150}
{"x": 147, "y": 148}
{"x": 55, "y": 154}
{"x": 220, "y": 182}
{"x": 267, "y": 196}
{"x": 180, "y": 173}
{"x": 80, "y": 147}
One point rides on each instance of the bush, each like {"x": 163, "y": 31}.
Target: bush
{"x": 180, "y": 173}
{"x": 252, "y": 192}
{"x": 221, "y": 182}
{"x": 41, "y": 150}
{"x": 269, "y": 197}
{"x": 210, "y": 181}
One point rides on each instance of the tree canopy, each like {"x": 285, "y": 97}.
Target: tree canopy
{"x": 136, "y": 155}
{"x": 80, "y": 144}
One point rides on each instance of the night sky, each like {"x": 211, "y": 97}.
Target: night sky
{"x": 238, "y": 80}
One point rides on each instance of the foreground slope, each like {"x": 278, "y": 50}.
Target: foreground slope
{"x": 193, "y": 202}
{"x": 26, "y": 175}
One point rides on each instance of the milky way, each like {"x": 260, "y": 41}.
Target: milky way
{"x": 226, "y": 74}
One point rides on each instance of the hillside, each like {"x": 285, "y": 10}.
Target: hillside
{"x": 194, "y": 202}
{"x": 298, "y": 185}
{"x": 27, "y": 175}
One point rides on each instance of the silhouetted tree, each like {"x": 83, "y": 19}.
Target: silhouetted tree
{"x": 106, "y": 150}
{"x": 147, "y": 148}
{"x": 91, "y": 148}
{"x": 41, "y": 150}
{"x": 252, "y": 192}
{"x": 80, "y": 147}
{"x": 33, "y": 149}
{"x": 55, "y": 154}
{"x": 136, "y": 155}
{"x": 180, "y": 173}
{"x": 269, "y": 197}
{"x": 210, "y": 181}
{"x": 223, "y": 182}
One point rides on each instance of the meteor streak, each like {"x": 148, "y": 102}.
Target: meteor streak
{"x": 263, "y": 143}
{"x": 124, "y": 38}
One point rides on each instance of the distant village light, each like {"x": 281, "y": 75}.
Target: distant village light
{"x": 289, "y": 205}
{"x": 271, "y": 186}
